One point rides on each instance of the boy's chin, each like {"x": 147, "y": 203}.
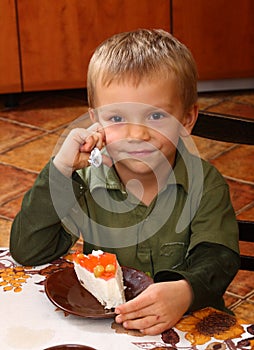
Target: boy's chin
{"x": 137, "y": 166}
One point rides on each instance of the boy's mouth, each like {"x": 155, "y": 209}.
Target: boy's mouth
{"x": 140, "y": 153}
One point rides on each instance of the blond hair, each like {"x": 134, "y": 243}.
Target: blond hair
{"x": 143, "y": 54}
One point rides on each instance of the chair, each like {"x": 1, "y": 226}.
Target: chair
{"x": 233, "y": 129}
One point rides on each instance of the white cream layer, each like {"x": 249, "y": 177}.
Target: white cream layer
{"x": 109, "y": 293}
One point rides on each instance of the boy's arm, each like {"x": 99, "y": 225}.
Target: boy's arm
{"x": 37, "y": 236}
{"x": 209, "y": 270}
{"x": 213, "y": 257}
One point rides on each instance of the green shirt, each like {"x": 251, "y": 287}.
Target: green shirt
{"x": 188, "y": 231}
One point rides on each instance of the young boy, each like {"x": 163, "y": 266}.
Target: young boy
{"x": 158, "y": 207}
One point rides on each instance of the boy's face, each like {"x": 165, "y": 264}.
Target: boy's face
{"x": 142, "y": 123}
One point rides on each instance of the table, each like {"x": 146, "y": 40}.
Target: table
{"x": 30, "y": 321}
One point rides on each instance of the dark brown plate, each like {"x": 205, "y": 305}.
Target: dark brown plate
{"x": 65, "y": 291}
{"x": 70, "y": 347}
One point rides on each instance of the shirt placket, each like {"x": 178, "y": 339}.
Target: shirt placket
{"x": 144, "y": 254}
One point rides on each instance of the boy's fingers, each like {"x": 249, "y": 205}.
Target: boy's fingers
{"x": 89, "y": 144}
{"x": 134, "y": 306}
{"x": 96, "y": 128}
{"x": 92, "y": 141}
{"x": 142, "y": 323}
{"x": 95, "y": 139}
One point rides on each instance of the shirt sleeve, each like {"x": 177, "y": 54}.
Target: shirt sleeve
{"x": 215, "y": 219}
{"x": 37, "y": 234}
{"x": 209, "y": 270}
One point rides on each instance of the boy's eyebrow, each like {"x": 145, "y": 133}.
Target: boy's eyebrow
{"x": 162, "y": 108}
{"x": 111, "y": 111}
{"x": 140, "y": 107}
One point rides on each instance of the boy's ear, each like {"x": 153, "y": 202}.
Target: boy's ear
{"x": 189, "y": 120}
{"x": 92, "y": 115}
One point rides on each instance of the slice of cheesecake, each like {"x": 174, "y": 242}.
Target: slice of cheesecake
{"x": 101, "y": 275}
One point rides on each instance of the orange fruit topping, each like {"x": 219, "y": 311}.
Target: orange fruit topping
{"x": 103, "y": 265}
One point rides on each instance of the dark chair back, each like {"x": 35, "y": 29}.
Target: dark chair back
{"x": 238, "y": 130}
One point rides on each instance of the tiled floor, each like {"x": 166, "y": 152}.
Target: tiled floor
{"x": 29, "y": 133}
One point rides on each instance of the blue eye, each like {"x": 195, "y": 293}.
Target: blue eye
{"x": 116, "y": 119}
{"x": 156, "y": 116}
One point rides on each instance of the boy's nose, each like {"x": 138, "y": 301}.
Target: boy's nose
{"x": 138, "y": 132}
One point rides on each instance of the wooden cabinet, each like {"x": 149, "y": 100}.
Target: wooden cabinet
{"x": 10, "y": 79}
{"x": 57, "y": 38}
{"x": 47, "y": 44}
{"x": 220, "y": 34}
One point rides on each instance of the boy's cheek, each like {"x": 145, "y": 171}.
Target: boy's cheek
{"x": 112, "y": 136}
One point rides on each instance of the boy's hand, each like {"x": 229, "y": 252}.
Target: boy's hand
{"x": 76, "y": 149}
{"x": 156, "y": 309}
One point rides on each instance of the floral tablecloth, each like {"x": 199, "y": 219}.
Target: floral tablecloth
{"x": 29, "y": 320}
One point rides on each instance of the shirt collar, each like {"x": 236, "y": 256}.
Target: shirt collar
{"x": 179, "y": 175}
{"x": 101, "y": 177}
